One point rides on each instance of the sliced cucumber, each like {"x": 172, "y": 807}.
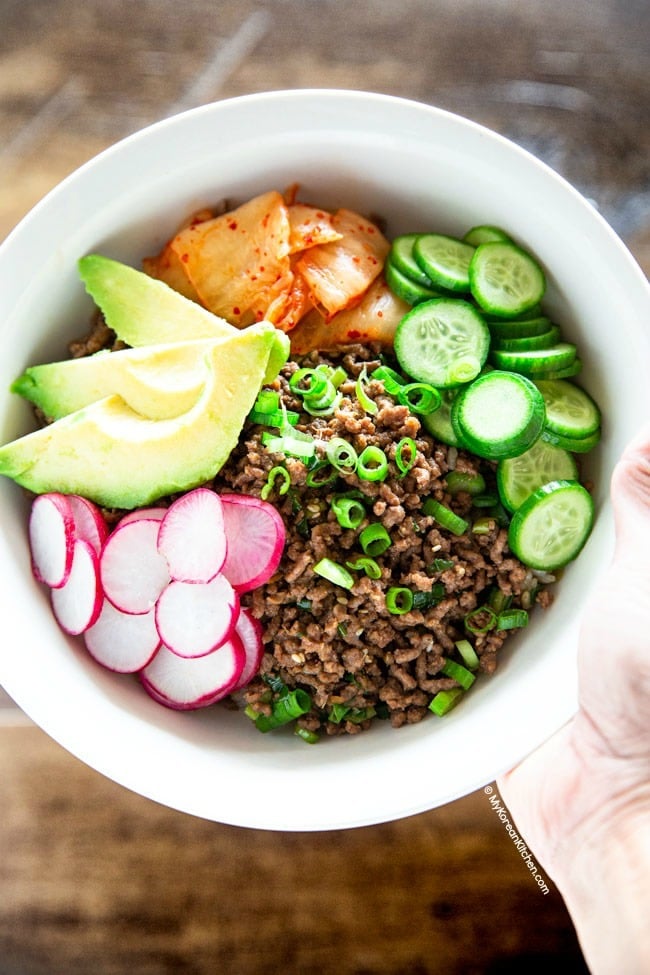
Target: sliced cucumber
{"x": 552, "y": 525}
{"x": 485, "y": 233}
{"x": 537, "y": 361}
{"x": 518, "y": 327}
{"x": 500, "y": 414}
{"x": 570, "y": 411}
{"x": 504, "y": 279}
{"x": 443, "y": 341}
{"x": 566, "y": 372}
{"x": 445, "y": 260}
{"x": 518, "y": 477}
{"x": 528, "y": 343}
{"x": 401, "y": 256}
{"x": 438, "y": 423}
{"x": 577, "y": 445}
{"x": 410, "y": 291}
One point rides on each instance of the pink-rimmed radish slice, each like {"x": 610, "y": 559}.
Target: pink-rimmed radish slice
{"x": 256, "y": 535}
{"x": 192, "y": 536}
{"x": 185, "y": 684}
{"x": 51, "y": 538}
{"x": 89, "y": 521}
{"x": 194, "y": 618}
{"x": 133, "y": 572}
{"x": 77, "y": 603}
{"x": 152, "y": 514}
{"x": 249, "y": 631}
{"x": 122, "y": 642}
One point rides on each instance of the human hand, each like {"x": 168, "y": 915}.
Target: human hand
{"x": 582, "y": 800}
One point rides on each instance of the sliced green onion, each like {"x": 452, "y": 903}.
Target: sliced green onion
{"x": 424, "y": 599}
{"x": 305, "y": 604}
{"x": 316, "y": 383}
{"x": 468, "y": 653}
{"x": 399, "y": 600}
{"x": 296, "y": 445}
{"x": 460, "y": 674}
{"x": 334, "y": 572}
{"x": 419, "y": 397}
{"x": 324, "y": 406}
{"x": 485, "y": 501}
{"x": 341, "y": 455}
{"x": 483, "y": 526}
{"x": 274, "y": 474}
{"x": 275, "y": 419}
{"x": 367, "y": 403}
{"x": 268, "y": 401}
{"x": 290, "y": 705}
{"x": 374, "y": 539}
{"x": 321, "y": 474}
{"x": 337, "y": 713}
{"x": 392, "y": 380}
{"x": 367, "y": 565}
{"x": 372, "y": 464}
{"x": 348, "y": 511}
{"x": 498, "y": 600}
{"x": 457, "y": 481}
{"x": 335, "y": 376}
{"x": 480, "y": 620}
{"x": 444, "y": 701}
{"x": 406, "y": 445}
{"x": 445, "y": 516}
{"x": 442, "y": 565}
{"x": 311, "y": 737}
{"x": 512, "y": 619}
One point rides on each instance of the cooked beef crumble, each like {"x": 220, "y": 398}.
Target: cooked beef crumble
{"x": 343, "y": 646}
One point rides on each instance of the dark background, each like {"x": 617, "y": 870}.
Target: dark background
{"x": 96, "y": 880}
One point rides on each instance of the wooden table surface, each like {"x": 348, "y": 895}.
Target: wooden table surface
{"x": 94, "y": 879}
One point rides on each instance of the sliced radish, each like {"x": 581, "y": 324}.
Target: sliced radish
{"x": 51, "y": 538}
{"x": 78, "y": 602}
{"x": 122, "y": 642}
{"x": 256, "y": 535}
{"x": 194, "y": 618}
{"x": 184, "y": 684}
{"x": 133, "y": 572}
{"x": 192, "y": 536}
{"x": 89, "y": 521}
{"x": 249, "y": 630}
{"x": 153, "y": 514}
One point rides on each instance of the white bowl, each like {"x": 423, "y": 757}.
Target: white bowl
{"x": 420, "y": 168}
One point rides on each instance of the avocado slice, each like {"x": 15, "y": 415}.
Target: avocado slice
{"x": 157, "y": 381}
{"x": 110, "y": 454}
{"x": 143, "y": 310}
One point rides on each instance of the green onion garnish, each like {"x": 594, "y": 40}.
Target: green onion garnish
{"x": 372, "y": 464}
{"x": 423, "y": 599}
{"x": 442, "y": 565}
{"x": 480, "y": 620}
{"x": 274, "y": 474}
{"x": 367, "y": 403}
{"x": 305, "y": 604}
{"x": 367, "y": 565}
{"x": 419, "y": 397}
{"x": 275, "y": 419}
{"x": 268, "y": 401}
{"x": 316, "y": 383}
{"x": 311, "y": 737}
{"x": 296, "y": 445}
{"x": 399, "y": 600}
{"x": 324, "y": 405}
{"x": 460, "y": 674}
{"x": 444, "y": 701}
{"x": 342, "y": 712}
{"x": 485, "y": 500}
{"x": 462, "y": 481}
{"x": 445, "y": 516}
{"x": 321, "y": 474}
{"x": 392, "y": 380}
{"x": 498, "y": 600}
{"x": 374, "y": 539}
{"x": 511, "y": 619}
{"x": 290, "y": 705}
{"x": 341, "y": 455}
{"x": 405, "y": 446}
{"x": 483, "y": 526}
{"x": 468, "y": 653}
{"x": 334, "y": 572}
{"x": 348, "y": 511}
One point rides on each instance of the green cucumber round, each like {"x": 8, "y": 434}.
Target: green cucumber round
{"x": 552, "y": 525}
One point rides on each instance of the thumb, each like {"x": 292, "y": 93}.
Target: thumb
{"x": 630, "y": 492}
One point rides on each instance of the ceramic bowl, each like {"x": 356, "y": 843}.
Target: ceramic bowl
{"x": 421, "y": 169}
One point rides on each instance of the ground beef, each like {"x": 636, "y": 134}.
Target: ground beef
{"x": 343, "y": 646}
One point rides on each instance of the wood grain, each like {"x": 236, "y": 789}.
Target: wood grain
{"x": 94, "y": 879}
